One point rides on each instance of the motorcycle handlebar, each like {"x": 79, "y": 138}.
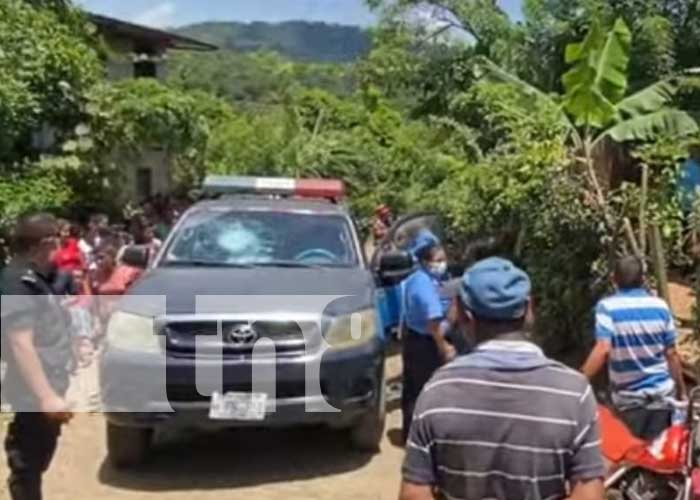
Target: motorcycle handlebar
{"x": 691, "y": 405}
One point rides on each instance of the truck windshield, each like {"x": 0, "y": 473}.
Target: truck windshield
{"x": 249, "y": 238}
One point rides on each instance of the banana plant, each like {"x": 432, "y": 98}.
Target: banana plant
{"x": 596, "y": 106}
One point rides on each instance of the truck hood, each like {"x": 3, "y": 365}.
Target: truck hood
{"x": 179, "y": 288}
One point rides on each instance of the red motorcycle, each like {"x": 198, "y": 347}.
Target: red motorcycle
{"x": 666, "y": 469}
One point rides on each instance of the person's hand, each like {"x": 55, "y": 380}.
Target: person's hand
{"x": 448, "y": 352}
{"x": 56, "y": 409}
{"x": 84, "y": 352}
{"x": 453, "y": 312}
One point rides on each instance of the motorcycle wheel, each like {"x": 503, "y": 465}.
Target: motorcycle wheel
{"x": 645, "y": 485}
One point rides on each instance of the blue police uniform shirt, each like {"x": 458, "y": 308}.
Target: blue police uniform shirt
{"x": 423, "y": 301}
{"x": 688, "y": 181}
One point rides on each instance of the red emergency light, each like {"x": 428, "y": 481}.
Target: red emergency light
{"x": 320, "y": 188}
{"x": 333, "y": 189}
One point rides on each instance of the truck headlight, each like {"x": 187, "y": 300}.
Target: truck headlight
{"x": 352, "y": 330}
{"x": 131, "y": 332}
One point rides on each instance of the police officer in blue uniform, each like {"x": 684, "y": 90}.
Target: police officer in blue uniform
{"x": 425, "y": 344}
{"x": 38, "y": 350}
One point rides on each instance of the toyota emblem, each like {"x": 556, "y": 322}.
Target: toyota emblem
{"x": 242, "y": 335}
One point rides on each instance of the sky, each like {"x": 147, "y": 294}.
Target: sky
{"x": 169, "y": 13}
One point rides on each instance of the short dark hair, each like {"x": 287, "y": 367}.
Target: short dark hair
{"x": 489, "y": 329}
{"x": 97, "y": 219}
{"x": 629, "y": 272}
{"x": 425, "y": 254}
{"x": 75, "y": 230}
{"x": 31, "y": 230}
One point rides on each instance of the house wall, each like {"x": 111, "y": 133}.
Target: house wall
{"x": 120, "y": 66}
{"x": 120, "y": 59}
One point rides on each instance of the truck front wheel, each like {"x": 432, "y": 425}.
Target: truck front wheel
{"x": 367, "y": 434}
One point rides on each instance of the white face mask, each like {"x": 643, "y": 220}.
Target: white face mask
{"x": 438, "y": 268}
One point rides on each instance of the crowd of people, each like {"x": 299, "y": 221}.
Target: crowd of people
{"x": 89, "y": 258}
{"x": 480, "y": 398}
{"x": 474, "y": 418}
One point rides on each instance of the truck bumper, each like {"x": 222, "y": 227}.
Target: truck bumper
{"x": 152, "y": 390}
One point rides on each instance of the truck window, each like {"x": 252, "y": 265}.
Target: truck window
{"x": 263, "y": 238}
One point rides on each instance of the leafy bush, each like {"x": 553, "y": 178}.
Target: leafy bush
{"x": 33, "y": 187}
{"x": 46, "y": 65}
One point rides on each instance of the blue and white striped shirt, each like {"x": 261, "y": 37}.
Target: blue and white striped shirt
{"x": 641, "y": 329}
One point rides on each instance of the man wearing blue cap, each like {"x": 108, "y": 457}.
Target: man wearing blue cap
{"x": 504, "y": 422}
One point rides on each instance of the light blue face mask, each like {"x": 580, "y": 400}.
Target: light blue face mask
{"x": 438, "y": 269}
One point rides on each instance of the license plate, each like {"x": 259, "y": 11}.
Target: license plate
{"x": 238, "y": 406}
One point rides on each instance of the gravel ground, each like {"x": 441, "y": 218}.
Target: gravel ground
{"x": 264, "y": 465}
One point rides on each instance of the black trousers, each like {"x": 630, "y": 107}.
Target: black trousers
{"x": 647, "y": 424}
{"x": 420, "y": 360}
{"x": 30, "y": 445}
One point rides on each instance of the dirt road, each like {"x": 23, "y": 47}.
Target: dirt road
{"x": 263, "y": 465}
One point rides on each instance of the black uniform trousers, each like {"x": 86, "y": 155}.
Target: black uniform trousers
{"x": 421, "y": 359}
{"x": 30, "y": 445}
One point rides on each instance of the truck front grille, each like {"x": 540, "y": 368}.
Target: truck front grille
{"x": 231, "y": 337}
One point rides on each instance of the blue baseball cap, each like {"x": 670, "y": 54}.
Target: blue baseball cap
{"x": 496, "y": 289}
{"x": 424, "y": 239}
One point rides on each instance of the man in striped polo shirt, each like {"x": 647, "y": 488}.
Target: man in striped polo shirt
{"x": 636, "y": 336}
{"x": 503, "y": 422}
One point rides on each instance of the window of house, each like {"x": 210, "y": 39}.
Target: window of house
{"x": 145, "y": 69}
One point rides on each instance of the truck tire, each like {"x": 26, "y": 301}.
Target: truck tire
{"x": 127, "y": 446}
{"x": 367, "y": 434}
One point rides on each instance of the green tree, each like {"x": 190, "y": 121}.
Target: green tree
{"x": 666, "y": 33}
{"x": 595, "y": 105}
{"x": 483, "y": 20}
{"x": 121, "y": 121}
{"x": 46, "y": 65}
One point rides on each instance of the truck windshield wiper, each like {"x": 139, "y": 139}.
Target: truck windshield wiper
{"x": 208, "y": 263}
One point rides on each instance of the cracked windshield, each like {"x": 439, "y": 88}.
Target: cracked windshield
{"x": 263, "y": 239}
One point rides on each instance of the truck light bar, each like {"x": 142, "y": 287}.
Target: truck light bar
{"x": 306, "y": 188}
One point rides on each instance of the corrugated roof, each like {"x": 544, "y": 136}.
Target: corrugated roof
{"x": 146, "y": 35}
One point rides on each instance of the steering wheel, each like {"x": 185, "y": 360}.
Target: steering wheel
{"x": 317, "y": 255}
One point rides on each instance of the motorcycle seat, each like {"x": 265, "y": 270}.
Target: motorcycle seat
{"x": 617, "y": 440}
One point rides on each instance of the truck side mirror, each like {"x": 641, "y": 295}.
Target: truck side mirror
{"x": 394, "y": 267}
{"x": 136, "y": 256}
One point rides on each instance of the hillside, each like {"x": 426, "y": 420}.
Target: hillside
{"x": 298, "y": 40}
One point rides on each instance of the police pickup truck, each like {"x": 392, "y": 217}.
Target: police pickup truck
{"x": 259, "y": 310}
